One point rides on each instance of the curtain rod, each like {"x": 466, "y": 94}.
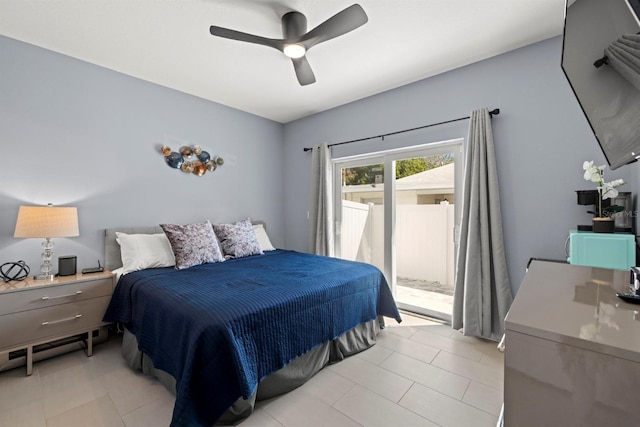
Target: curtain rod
{"x": 493, "y": 112}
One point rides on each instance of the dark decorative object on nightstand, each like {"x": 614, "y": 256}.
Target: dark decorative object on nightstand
{"x": 67, "y": 265}
{"x": 10, "y": 271}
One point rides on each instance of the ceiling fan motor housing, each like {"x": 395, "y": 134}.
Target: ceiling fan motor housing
{"x": 294, "y": 25}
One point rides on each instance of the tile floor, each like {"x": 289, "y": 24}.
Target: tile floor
{"x": 420, "y": 373}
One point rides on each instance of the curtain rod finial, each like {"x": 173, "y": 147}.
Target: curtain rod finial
{"x": 307, "y": 149}
{"x": 494, "y": 112}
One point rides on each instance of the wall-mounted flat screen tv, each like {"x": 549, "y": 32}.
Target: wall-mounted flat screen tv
{"x": 601, "y": 59}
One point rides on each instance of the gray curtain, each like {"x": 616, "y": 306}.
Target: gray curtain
{"x": 624, "y": 56}
{"x": 482, "y": 294}
{"x": 320, "y": 203}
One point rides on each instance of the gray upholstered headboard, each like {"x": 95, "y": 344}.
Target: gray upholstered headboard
{"x": 112, "y": 258}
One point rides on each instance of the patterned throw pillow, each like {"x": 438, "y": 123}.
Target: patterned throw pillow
{"x": 193, "y": 244}
{"x": 238, "y": 239}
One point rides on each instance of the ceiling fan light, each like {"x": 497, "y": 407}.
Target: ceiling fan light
{"x": 294, "y": 50}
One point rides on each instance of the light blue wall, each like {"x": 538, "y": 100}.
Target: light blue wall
{"x": 541, "y": 139}
{"x": 72, "y": 133}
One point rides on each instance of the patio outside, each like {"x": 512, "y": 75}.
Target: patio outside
{"x": 432, "y": 296}
{"x": 424, "y": 236}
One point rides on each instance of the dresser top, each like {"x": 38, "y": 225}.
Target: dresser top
{"x": 31, "y": 283}
{"x": 577, "y": 305}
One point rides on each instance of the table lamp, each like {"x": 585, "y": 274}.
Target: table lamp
{"x": 46, "y": 222}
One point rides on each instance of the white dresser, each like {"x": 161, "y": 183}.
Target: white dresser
{"x": 572, "y": 354}
{"x": 34, "y": 314}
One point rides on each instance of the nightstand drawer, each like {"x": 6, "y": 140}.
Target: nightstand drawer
{"x": 54, "y": 294}
{"x": 50, "y": 322}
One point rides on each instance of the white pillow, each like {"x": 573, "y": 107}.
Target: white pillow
{"x": 140, "y": 251}
{"x": 263, "y": 238}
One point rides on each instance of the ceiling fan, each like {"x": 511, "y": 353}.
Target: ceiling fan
{"x": 297, "y": 41}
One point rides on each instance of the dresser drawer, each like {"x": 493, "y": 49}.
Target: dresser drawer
{"x": 51, "y": 322}
{"x": 54, "y": 294}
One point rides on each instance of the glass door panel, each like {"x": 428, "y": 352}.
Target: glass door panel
{"x": 424, "y": 249}
{"x": 361, "y": 213}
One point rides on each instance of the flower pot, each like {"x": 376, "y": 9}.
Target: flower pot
{"x": 603, "y": 225}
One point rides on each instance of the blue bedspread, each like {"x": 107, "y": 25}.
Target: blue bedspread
{"x": 219, "y": 329}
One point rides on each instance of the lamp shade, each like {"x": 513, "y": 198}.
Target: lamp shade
{"x": 47, "y": 221}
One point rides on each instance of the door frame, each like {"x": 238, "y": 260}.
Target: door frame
{"x": 389, "y": 158}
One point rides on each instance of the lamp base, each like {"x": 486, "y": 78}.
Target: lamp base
{"x": 47, "y": 277}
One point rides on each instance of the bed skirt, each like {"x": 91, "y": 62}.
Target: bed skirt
{"x": 296, "y": 373}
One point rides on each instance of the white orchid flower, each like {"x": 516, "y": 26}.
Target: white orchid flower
{"x": 607, "y": 191}
{"x": 591, "y": 172}
{"x": 588, "y": 170}
{"x": 616, "y": 182}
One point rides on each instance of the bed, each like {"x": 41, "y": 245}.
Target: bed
{"x": 223, "y": 335}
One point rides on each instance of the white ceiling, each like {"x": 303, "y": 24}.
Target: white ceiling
{"x": 168, "y": 42}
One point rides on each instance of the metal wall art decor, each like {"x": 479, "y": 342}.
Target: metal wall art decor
{"x": 191, "y": 159}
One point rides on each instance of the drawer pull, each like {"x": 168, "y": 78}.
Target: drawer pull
{"x": 77, "y": 316}
{"x": 76, "y": 293}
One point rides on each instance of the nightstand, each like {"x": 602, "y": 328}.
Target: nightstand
{"x": 35, "y": 313}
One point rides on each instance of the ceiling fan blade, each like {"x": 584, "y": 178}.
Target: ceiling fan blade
{"x": 245, "y": 37}
{"x": 341, "y": 23}
{"x": 304, "y": 73}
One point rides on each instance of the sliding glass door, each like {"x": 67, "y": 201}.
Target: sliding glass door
{"x": 397, "y": 211}
{"x": 361, "y": 224}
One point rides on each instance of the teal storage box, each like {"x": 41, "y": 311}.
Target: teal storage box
{"x": 605, "y": 250}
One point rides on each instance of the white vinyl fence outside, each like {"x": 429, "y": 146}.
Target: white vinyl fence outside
{"x": 424, "y": 239}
